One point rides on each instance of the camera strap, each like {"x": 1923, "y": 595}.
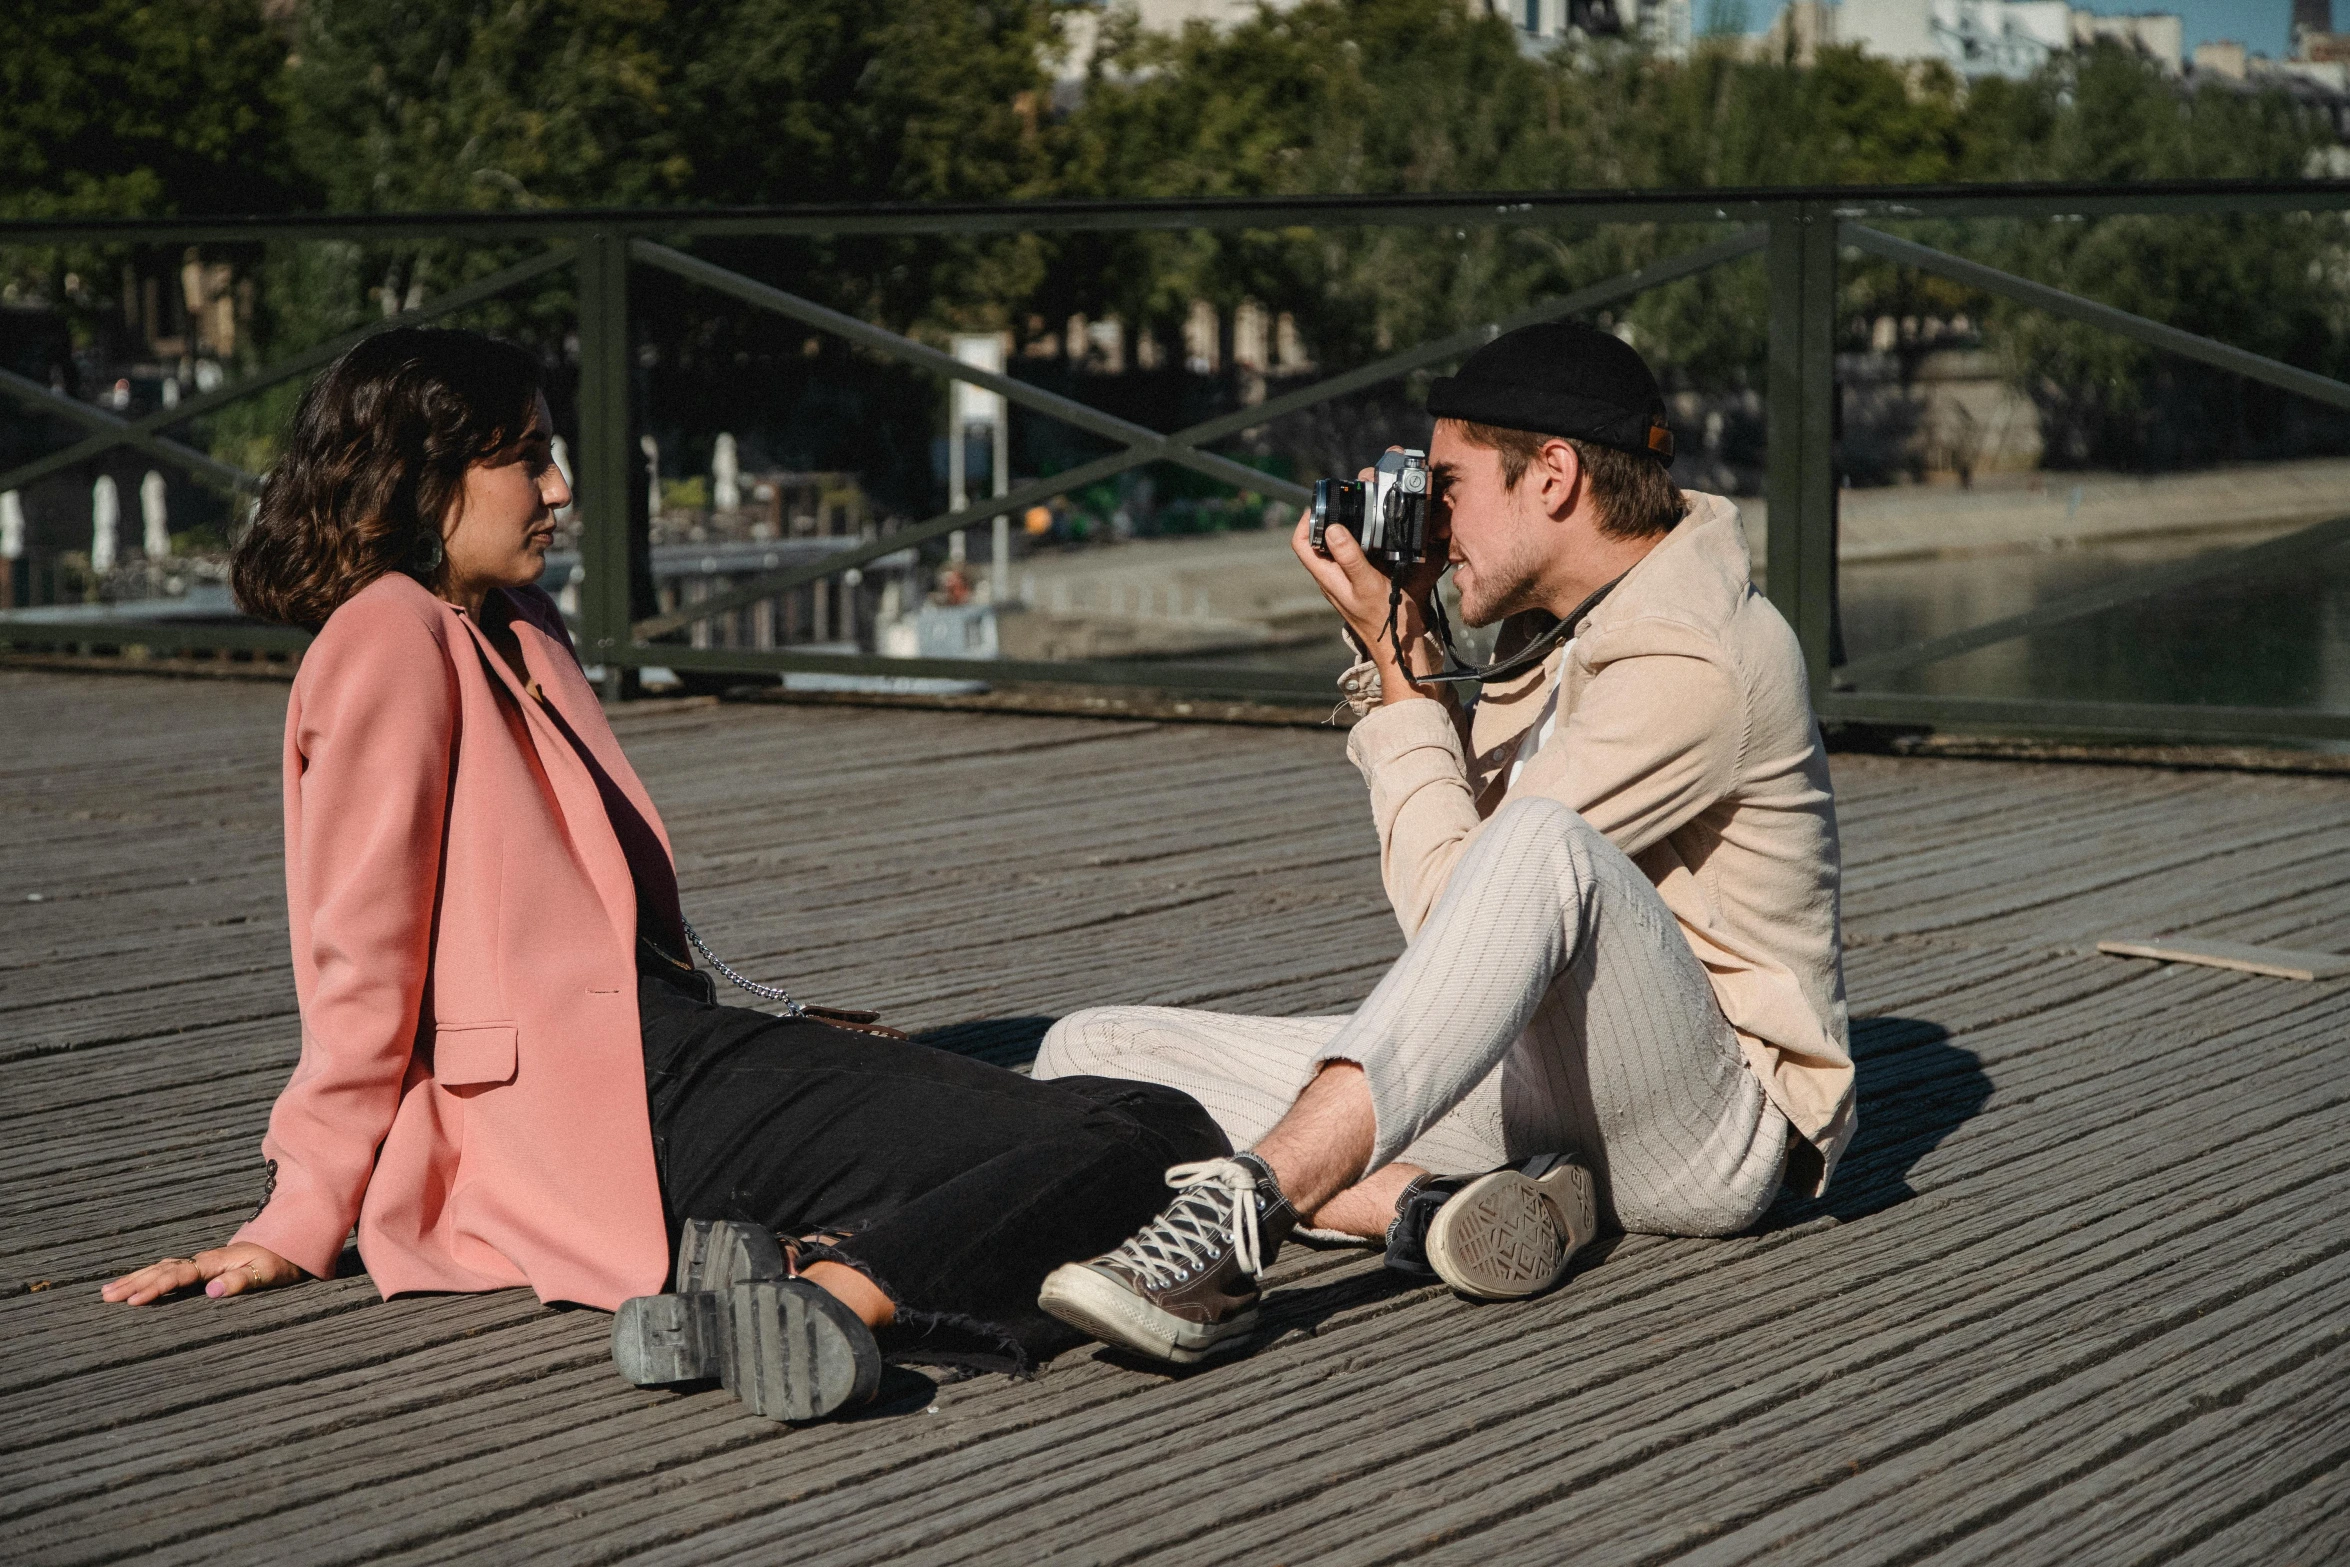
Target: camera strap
{"x": 1517, "y": 663}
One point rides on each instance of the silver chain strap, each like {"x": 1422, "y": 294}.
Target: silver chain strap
{"x": 791, "y": 1008}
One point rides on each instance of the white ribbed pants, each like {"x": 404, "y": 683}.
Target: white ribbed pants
{"x": 1549, "y": 1004}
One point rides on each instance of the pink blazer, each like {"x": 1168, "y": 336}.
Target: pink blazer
{"x": 471, "y": 1089}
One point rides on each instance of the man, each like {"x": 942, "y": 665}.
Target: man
{"x": 1622, "y": 999}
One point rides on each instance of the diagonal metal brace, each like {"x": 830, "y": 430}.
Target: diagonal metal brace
{"x": 1152, "y": 446}
{"x": 141, "y": 432}
{"x": 767, "y": 587}
{"x": 2292, "y": 552}
{"x": 1597, "y": 295}
{"x": 1743, "y": 243}
{"x": 2210, "y": 351}
{"x": 116, "y": 431}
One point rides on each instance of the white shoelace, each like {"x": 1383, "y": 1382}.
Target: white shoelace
{"x": 1196, "y": 1226}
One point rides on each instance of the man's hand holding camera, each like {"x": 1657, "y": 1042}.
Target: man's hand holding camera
{"x": 1363, "y": 589}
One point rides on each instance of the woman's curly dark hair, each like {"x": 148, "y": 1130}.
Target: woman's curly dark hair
{"x": 376, "y": 458}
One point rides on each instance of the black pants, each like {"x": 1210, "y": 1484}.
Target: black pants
{"x": 956, "y": 1185}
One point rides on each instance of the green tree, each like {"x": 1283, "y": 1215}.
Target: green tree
{"x": 2266, "y": 282}
{"x": 437, "y": 105}
{"x": 1365, "y": 97}
{"x": 497, "y": 104}
{"x": 406, "y": 105}
{"x": 126, "y": 108}
{"x": 1369, "y": 95}
{"x": 130, "y": 108}
{"x": 427, "y": 104}
{"x": 421, "y": 104}
{"x": 830, "y": 100}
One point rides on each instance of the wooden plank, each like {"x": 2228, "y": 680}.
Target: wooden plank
{"x": 2240, "y": 1449}
{"x": 2024, "y": 1260}
{"x": 1997, "y": 1462}
{"x": 1444, "y": 1413}
{"x": 2281, "y": 962}
{"x": 120, "y": 924}
{"x": 2300, "y": 1528}
{"x": 257, "y": 1107}
{"x": 115, "y": 1237}
{"x": 1763, "y": 1360}
{"x": 2063, "y": 815}
{"x": 182, "y": 970}
{"x": 48, "y": 1142}
{"x": 61, "y": 1335}
{"x": 187, "y": 1383}
{"x": 1503, "y": 1337}
{"x": 1715, "y": 1481}
{"x": 44, "y": 1089}
{"x": 2240, "y": 894}
{"x": 135, "y": 1018}
{"x": 2313, "y": 916}
{"x": 1987, "y": 887}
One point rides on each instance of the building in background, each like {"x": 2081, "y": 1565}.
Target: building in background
{"x": 2159, "y": 35}
{"x": 1978, "y": 38}
{"x": 1802, "y": 29}
{"x": 2313, "y": 35}
{"x": 1664, "y": 25}
{"x": 2316, "y": 73}
{"x": 1170, "y": 16}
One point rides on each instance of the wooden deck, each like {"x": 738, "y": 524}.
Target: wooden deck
{"x": 2077, "y": 1295}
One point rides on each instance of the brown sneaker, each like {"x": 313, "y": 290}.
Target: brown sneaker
{"x": 1186, "y": 1284}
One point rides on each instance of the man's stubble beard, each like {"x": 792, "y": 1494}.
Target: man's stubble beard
{"x": 1515, "y": 585}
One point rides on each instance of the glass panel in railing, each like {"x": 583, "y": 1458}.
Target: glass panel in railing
{"x": 1111, "y": 552}
{"x": 189, "y": 348}
{"x": 2040, "y": 507}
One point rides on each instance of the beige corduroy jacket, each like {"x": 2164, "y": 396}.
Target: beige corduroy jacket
{"x": 1685, "y": 734}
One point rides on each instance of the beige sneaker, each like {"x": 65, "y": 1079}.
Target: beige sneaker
{"x": 1511, "y": 1233}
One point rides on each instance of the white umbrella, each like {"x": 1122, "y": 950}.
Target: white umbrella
{"x": 726, "y": 491}
{"x": 105, "y": 518}
{"x": 151, "y": 507}
{"x": 562, "y": 459}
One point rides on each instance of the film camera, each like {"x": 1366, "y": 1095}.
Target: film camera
{"x": 1388, "y": 514}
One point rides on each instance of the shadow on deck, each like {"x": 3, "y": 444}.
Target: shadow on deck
{"x": 2074, "y": 1296}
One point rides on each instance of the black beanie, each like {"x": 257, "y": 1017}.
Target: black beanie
{"x": 1560, "y": 378}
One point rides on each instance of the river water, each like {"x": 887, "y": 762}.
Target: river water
{"x": 2278, "y": 641}
{"x": 2275, "y": 641}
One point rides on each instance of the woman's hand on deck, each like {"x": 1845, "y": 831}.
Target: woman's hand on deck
{"x": 225, "y": 1270}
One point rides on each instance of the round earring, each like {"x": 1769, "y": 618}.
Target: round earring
{"x": 428, "y": 554}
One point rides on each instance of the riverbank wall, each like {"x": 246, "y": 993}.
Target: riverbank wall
{"x": 1238, "y": 591}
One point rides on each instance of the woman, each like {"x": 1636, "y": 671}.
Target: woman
{"x": 511, "y": 1073}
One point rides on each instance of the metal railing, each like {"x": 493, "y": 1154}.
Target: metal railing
{"x": 1801, "y": 233}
